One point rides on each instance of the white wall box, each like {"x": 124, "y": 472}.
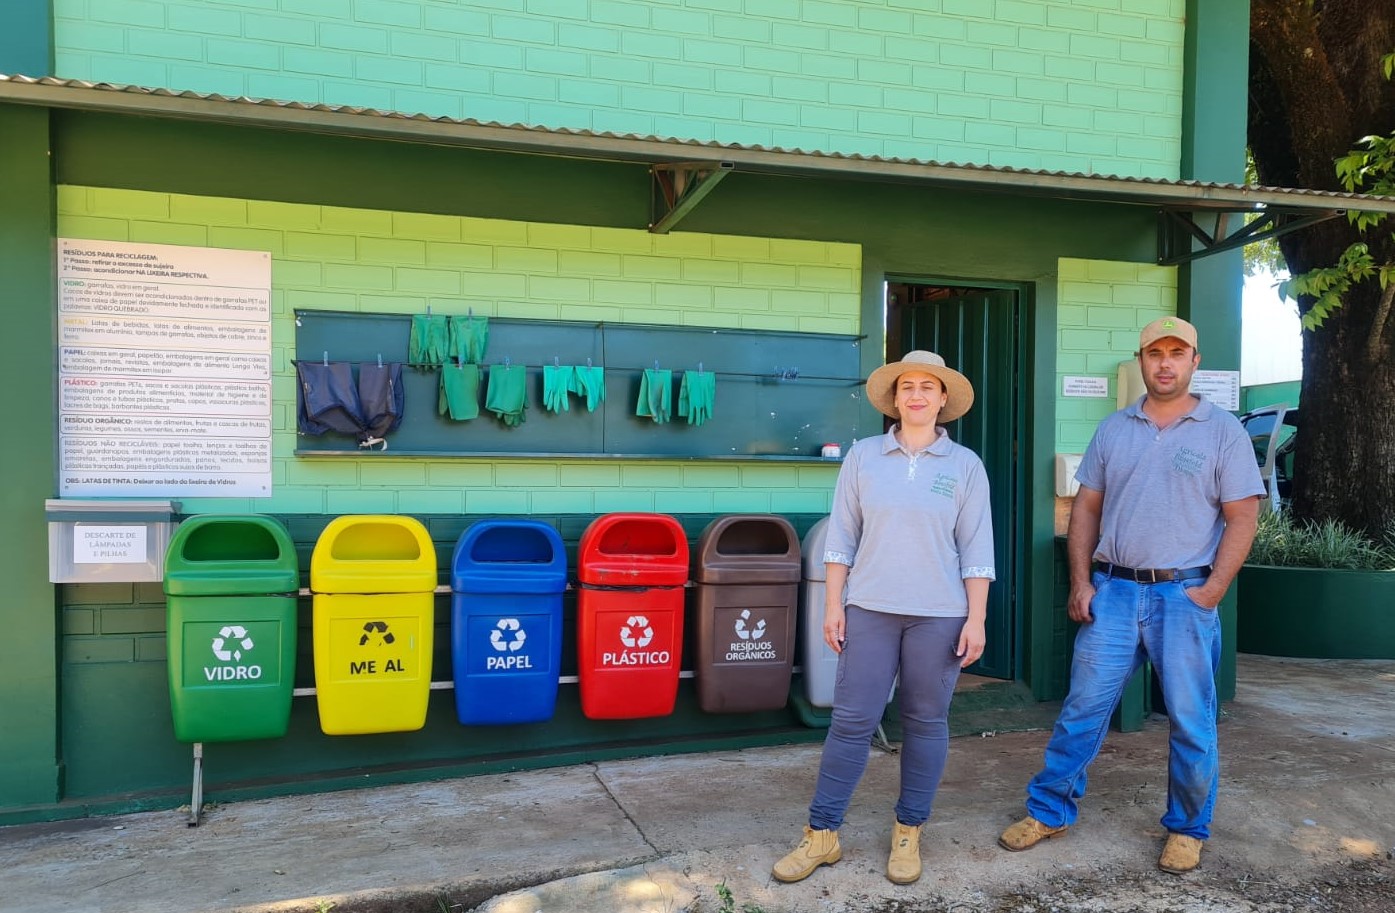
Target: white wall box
{"x": 108, "y": 541}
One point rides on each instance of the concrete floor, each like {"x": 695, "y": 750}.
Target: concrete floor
{"x": 1307, "y": 805}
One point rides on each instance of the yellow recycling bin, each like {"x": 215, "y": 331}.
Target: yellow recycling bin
{"x": 374, "y": 579}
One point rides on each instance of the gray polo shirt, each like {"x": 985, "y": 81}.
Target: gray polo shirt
{"x": 911, "y": 526}
{"x": 1163, "y": 488}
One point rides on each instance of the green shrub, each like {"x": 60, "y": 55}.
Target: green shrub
{"x": 1284, "y": 542}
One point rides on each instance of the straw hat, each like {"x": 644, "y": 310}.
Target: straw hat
{"x": 881, "y": 384}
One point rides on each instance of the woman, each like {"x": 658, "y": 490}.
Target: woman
{"x": 911, "y": 538}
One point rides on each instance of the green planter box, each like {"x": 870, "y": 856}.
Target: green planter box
{"x": 1318, "y": 613}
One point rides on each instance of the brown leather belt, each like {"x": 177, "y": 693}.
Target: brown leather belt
{"x": 1152, "y": 574}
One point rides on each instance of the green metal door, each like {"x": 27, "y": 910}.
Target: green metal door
{"x": 976, "y": 332}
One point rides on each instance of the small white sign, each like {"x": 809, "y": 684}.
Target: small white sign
{"x": 1222, "y": 388}
{"x": 109, "y": 545}
{"x": 1085, "y": 385}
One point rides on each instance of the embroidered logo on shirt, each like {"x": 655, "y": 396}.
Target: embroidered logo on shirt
{"x": 1189, "y": 461}
{"x": 943, "y": 485}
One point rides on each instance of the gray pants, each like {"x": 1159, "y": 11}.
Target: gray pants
{"x": 878, "y": 645}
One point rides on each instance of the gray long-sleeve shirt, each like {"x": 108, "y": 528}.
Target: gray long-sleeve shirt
{"x": 911, "y": 526}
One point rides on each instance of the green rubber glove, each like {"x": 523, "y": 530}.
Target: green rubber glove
{"x": 507, "y": 393}
{"x": 557, "y": 383}
{"x": 469, "y": 337}
{"x": 656, "y": 395}
{"x": 437, "y": 340}
{"x": 428, "y": 343}
{"x": 589, "y": 381}
{"x": 460, "y": 392}
{"x": 695, "y": 396}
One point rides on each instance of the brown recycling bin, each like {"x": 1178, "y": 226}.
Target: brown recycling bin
{"x": 747, "y": 574}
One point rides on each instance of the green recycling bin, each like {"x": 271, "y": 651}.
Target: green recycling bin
{"x": 230, "y": 596}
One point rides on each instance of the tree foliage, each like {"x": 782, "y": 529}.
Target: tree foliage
{"x": 1326, "y": 287}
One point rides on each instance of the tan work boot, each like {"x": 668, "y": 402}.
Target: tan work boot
{"x": 1027, "y": 833}
{"x": 816, "y": 849}
{"x": 1180, "y": 854}
{"x": 904, "y": 865}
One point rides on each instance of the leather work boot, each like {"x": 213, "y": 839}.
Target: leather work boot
{"x": 904, "y": 865}
{"x": 1027, "y": 833}
{"x": 1180, "y": 854}
{"x": 816, "y": 849}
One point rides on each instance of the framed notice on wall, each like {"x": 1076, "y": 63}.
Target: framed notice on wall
{"x": 1220, "y": 387}
{"x": 164, "y": 370}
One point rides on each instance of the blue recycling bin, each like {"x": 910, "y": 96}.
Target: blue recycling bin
{"x": 507, "y": 580}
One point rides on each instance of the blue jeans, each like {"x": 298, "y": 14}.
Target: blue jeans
{"x": 1133, "y": 621}
{"x": 877, "y": 645}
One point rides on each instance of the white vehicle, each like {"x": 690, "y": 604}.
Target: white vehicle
{"x": 1273, "y": 431}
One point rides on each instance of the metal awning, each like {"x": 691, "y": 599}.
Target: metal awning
{"x": 1190, "y": 213}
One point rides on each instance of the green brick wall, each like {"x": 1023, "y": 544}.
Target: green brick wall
{"x": 391, "y": 262}
{"x": 1101, "y": 307}
{"x": 1073, "y": 85}
{"x": 113, "y": 623}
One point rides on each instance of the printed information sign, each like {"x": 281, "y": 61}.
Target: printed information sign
{"x": 1222, "y": 388}
{"x": 164, "y": 356}
{"x": 1085, "y": 385}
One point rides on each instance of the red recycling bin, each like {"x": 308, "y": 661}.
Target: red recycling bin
{"x": 631, "y": 568}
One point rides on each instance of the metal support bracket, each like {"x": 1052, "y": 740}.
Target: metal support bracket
{"x": 677, "y": 188}
{"x": 1180, "y": 230}
{"x": 881, "y": 742}
{"x": 196, "y": 800}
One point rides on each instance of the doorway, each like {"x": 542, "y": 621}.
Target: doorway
{"x": 978, "y": 331}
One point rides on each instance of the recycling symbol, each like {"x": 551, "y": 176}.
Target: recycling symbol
{"x": 242, "y": 641}
{"x": 496, "y": 637}
{"x": 753, "y": 634}
{"x": 627, "y": 632}
{"x": 381, "y": 628}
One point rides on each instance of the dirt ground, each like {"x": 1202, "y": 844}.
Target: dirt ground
{"x": 1360, "y": 887}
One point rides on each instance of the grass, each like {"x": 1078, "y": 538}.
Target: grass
{"x": 727, "y": 901}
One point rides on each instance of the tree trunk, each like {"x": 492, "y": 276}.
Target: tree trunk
{"x": 1316, "y": 88}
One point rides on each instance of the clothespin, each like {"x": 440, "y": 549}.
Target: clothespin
{"x": 506, "y": 361}
{"x": 588, "y": 362}
{"x": 555, "y": 362}
{"x": 656, "y": 364}
{"x": 380, "y": 359}
{"x": 699, "y": 367}
{"x": 326, "y": 358}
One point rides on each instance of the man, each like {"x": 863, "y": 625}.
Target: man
{"x": 1166, "y": 513}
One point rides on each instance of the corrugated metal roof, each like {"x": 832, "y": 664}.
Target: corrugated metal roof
{"x": 348, "y": 120}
